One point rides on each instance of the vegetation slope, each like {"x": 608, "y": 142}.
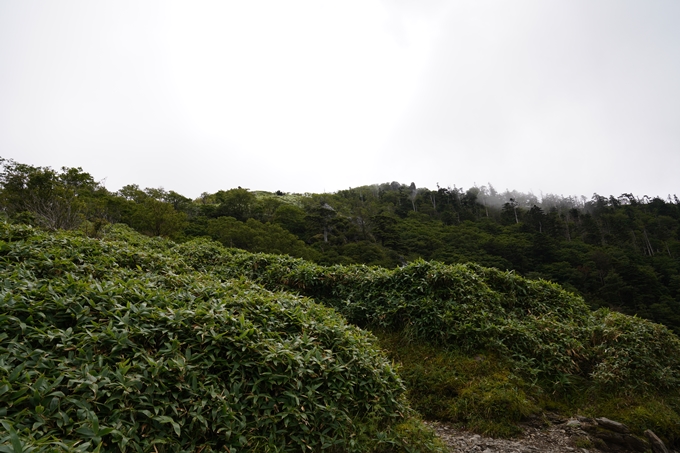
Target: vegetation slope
{"x": 118, "y": 345}
{"x": 485, "y": 347}
{"x": 478, "y": 346}
{"x": 621, "y": 251}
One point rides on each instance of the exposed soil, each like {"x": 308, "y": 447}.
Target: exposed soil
{"x": 564, "y": 436}
{"x": 553, "y": 439}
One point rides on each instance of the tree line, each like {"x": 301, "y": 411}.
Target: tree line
{"x": 622, "y": 252}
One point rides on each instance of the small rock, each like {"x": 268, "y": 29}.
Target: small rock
{"x": 612, "y": 425}
{"x": 657, "y": 444}
{"x": 573, "y": 423}
{"x": 610, "y": 438}
{"x": 554, "y": 418}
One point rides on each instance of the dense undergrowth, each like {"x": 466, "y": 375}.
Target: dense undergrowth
{"x": 117, "y": 344}
{"x": 142, "y": 343}
{"x": 540, "y": 346}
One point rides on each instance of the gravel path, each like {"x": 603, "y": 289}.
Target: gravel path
{"x": 557, "y": 438}
{"x": 551, "y": 434}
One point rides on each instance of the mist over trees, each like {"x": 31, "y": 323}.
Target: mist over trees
{"x": 621, "y": 251}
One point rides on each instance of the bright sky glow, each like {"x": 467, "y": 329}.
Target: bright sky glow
{"x": 566, "y": 97}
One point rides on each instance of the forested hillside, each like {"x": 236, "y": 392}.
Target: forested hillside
{"x": 237, "y": 350}
{"x": 130, "y": 343}
{"x": 620, "y": 252}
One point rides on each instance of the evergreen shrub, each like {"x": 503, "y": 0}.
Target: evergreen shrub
{"x": 118, "y": 345}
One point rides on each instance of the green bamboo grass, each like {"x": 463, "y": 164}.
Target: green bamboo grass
{"x": 118, "y": 345}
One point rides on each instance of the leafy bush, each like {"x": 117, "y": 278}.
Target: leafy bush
{"x": 549, "y": 333}
{"x": 558, "y": 351}
{"x": 78, "y": 310}
{"x": 635, "y": 352}
{"x": 118, "y": 345}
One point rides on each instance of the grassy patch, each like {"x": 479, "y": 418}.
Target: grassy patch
{"x": 477, "y": 391}
{"x": 489, "y": 395}
{"x": 582, "y": 442}
{"x": 642, "y": 412}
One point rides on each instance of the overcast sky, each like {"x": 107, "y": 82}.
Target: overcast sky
{"x": 567, "y": 97}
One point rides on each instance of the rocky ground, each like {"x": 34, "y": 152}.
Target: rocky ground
{"x": 550, "y": 436}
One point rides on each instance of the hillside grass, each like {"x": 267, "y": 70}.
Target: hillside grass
{"x": 484, "y": 347}
{"x": 119, "y": 345}
{"x": 146, "y": 344}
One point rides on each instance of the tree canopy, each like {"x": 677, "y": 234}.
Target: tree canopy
{"x": 620, "y": 252}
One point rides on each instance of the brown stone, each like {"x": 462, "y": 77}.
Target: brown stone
{"x": 610, "y": 438}
{"x": 583, "y": 419}
{"x": 555, "y": 418}
{"x": 612, "y": 425}
{"x": 657, "y": 444}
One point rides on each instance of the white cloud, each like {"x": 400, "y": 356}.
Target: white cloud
{"x": 567, "y": 97}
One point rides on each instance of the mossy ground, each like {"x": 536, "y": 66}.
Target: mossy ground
{"x": 489, "y": 395}
{"x": 479, "y": 391}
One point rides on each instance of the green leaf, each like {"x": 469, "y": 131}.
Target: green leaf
{"x": 166, "y": 419}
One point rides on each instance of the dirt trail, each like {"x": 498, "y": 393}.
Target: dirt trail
{"x": 561, "y": 436}
{"x": 553, "y": 439}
